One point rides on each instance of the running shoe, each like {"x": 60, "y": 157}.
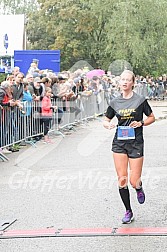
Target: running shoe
{"x": 141, "y": 196}
{"x": 128, "y": 218}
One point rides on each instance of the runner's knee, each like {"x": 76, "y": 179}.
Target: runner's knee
{"x": 135, "y": 183}
{"x": 122, "y": 181}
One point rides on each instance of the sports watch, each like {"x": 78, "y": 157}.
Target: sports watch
{"x": 142, "y": 123}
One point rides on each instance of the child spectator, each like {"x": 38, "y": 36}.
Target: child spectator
{"x": 27, "y": 97}
{"x": 47, "y": 110}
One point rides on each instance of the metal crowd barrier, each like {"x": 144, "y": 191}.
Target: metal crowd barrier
{"x": 81, "y": 109}
{"x": 156, "y": 92}
{"x": 19, "y": 125}
{"x": 25, "y": 125}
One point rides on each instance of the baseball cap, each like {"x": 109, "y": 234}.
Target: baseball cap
{"x": 37, "y": 79}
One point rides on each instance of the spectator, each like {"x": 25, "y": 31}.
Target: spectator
{"x": 45, "y": 82}
{"x": 55, "y": 90}
{"x": 18, "y": 87}
{"x": 36, "y": 89}
{"x": 17, "y": 92}
{"x": 27, "y": 97}
{"x": 26, "y": 122}
{"x": 33, "y": 69}
{"x": 15, "y": 71}
{"x": 5, "y": 103}
{"x": 30, "y": 79}
{"x": 11, "y": 80}
{"x": 47, "y": 109}
{"x": 78, "y": 86}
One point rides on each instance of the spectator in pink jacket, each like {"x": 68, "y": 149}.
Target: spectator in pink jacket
{"x": 47, "y": 110}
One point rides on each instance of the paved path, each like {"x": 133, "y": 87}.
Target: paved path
{"x": 159, "y": 108}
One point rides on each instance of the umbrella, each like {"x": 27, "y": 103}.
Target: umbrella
{"x": 95, "y": 72}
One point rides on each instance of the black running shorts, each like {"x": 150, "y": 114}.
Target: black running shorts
{"x": 133, "y": 149}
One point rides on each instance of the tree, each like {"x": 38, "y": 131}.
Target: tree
{"x": 132, "y": 31}
{"x": 17, "y": 6}
{"x": 77, "y": 28}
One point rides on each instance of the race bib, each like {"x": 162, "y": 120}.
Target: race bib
{"x": 125, "y": 133}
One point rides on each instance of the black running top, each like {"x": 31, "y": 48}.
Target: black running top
{"x": 128, "y": 110}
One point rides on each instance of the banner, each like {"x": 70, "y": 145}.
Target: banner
{"x": 11, "y": 34}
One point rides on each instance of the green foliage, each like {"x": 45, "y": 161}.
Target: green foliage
{"x": 100, "y": 32}
{"x": 2, "y": 77}
{"x": 17, "y": 6}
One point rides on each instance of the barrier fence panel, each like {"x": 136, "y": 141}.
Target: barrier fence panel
{"x": 156, "y": 92}
{"x": 11, "y": 126}
{"x": 33, "y": 125}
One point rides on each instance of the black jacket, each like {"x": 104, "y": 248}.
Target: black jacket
{"x": 17, "y": 93}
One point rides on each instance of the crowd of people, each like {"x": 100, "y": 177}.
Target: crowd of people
{"x": 156, "y": 88}
{"x": 46, "y": 89}
{"x": 43, "y": 90}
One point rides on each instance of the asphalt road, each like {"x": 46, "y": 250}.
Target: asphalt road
{"x": 72, "y": 184}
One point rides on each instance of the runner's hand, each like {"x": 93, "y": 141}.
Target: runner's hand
{"x": 108, "y": 125}
{"x": 111, "y": 126}
{"x": 135, "y": 124}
